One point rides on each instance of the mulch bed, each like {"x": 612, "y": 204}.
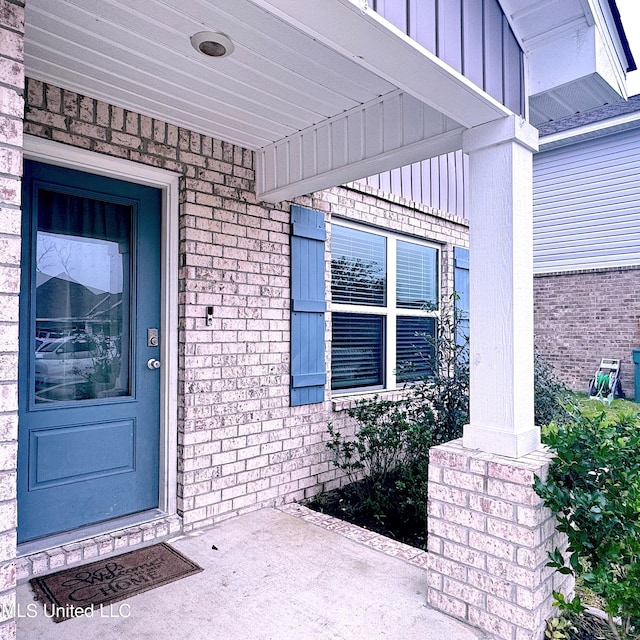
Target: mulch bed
{"x": 341, "y": 503}
{"x": 589, "y": 627}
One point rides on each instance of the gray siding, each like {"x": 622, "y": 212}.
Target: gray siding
{"x": 440, "y": 182}
{"x": 587, "y": 205}
{"x": 472, "y": 36}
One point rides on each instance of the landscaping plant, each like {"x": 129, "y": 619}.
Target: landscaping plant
{"x": 553, "y": 402}
{"x": 593, "y": 488}
{"x": 386, "y": 464}
{"x": 386, "y": 461}
{"x": 445, "y": 391}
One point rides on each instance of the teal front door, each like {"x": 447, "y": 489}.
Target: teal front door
{"x": 89, "y": 384}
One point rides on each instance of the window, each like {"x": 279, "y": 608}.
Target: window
{"x": 384, "y": 297}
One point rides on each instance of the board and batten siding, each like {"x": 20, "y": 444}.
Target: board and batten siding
{"x": 472, "y": 36}
{"x": 587, "y": 205}
{"x": 441, "y": 182}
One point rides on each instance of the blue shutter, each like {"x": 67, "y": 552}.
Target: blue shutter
{"x": 308, "y": 375}
{"x": 461, "y": 286}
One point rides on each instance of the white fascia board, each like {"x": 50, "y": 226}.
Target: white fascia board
{"x": 590, "y": 131}
{"x": 386, "y": 133}
{"x": 603, "y": 18}
{"x": 353, "y": 29}
{"x": 610, "y": 63}
{"x": 436, "y": 146}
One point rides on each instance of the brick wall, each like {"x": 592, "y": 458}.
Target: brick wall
{"x": 489, "y": 536}
{"x": 241, "y": 446}
{"x": 581, "y": 317}
{"x": 11, "y": 111}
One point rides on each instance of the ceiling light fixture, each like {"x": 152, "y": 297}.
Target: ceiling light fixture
{"x": 215, "y": 45}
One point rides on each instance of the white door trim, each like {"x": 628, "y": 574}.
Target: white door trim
{"x": 50, "y": 152}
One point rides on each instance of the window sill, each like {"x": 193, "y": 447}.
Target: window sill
{"x": 348, "y": 401}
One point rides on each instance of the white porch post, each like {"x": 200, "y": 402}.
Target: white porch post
{"x": 501, "y": 273}
{"x": 489, "y": 533}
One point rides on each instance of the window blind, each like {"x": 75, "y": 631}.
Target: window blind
{"x": 417, "y": 284}
{"x": 358, "y": 267}
{"x": 414, "y": 350}
{"x": 357, "y": 348}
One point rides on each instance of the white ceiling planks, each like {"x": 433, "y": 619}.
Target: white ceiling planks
{"x": 277, "y": 82}
{"x": 361, "y": 140}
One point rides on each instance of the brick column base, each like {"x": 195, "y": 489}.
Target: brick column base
{"x": 489, "y": 535}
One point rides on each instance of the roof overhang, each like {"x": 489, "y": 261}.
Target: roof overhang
{"x": 325, "y": 92}
{"x": 617, "y": 124}
{"x": 577, "y": 55}
{"x": 425, "y": 117}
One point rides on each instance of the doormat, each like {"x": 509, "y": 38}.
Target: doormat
{"x": 91, "y": 589}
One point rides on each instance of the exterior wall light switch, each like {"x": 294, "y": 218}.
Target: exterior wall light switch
{"x": 209, "y": 316}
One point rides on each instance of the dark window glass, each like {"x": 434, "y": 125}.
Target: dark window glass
{"x": 356, "y": 353}
{"x": 414, "y": 348}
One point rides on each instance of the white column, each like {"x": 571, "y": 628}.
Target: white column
{"x": 501, "y": 287}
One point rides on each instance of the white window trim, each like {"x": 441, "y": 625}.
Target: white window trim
{"x": 390, "y": 311}
{"x": 62, "y": 155}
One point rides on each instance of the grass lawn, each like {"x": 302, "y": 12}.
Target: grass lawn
{"x": 591, "y": 407}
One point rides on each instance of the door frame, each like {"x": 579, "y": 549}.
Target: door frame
{"x": 50, "y": 152}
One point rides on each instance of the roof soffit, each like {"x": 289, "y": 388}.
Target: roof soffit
{"x": 576, "y": 59}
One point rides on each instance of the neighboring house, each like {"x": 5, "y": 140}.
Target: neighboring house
{"x": 587, "y": 242}
{"x": 220, "y": 299}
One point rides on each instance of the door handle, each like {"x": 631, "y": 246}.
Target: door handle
{"x": 152, "y": 363}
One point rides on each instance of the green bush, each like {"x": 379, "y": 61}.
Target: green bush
{"x": 445, "y": 391}
{"x": 593, "y": 488}
{"x": 386, "y": 462}
{"x": 552, "y": 399}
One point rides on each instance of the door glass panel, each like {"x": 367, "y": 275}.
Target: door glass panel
{"x": 82, "y": 314}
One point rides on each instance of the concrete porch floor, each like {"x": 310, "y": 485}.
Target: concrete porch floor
{"x": 275, "y": 575}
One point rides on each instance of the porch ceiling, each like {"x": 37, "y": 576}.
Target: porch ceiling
{"x": 296, "y": 68}
{"x": 138, "y": 55}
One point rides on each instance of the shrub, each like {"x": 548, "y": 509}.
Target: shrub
{"x": 445, "y": 391}
{"x": 386, "y": 462}
{"x": 552, "y": 399}
{"x": 593, "y": 488}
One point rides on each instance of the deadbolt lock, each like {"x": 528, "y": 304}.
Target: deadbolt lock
{"x": 152, "y": 337}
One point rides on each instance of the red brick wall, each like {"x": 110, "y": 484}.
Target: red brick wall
{"x": 581, "y": 317}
